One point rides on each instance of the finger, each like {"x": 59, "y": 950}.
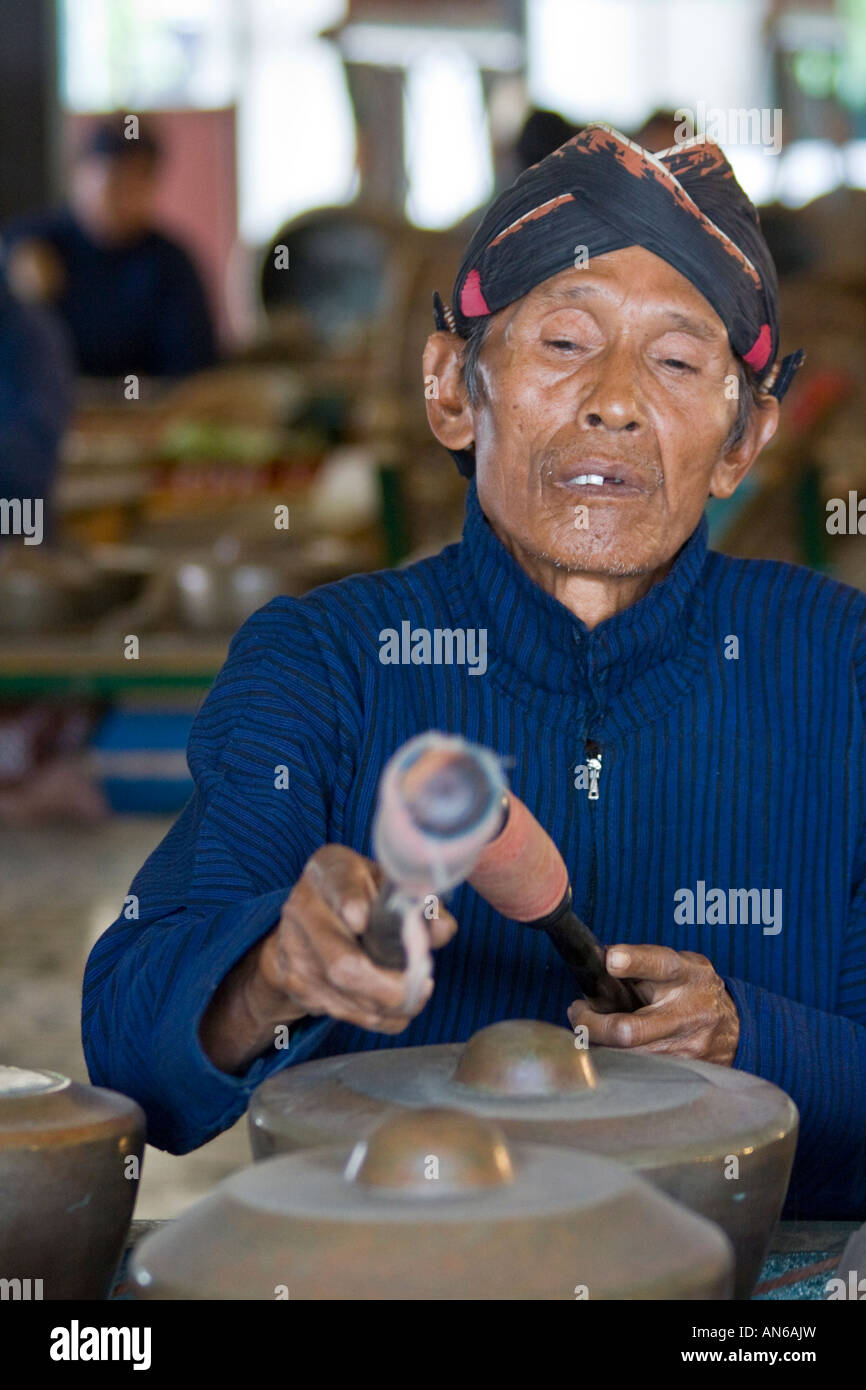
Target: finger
{"x": 316, "y": 943}
{"x": 313, "y": 989}
{"x": 696, "y": 959}
{"x": 442, "y": 928}
{"x": 317, "y": 904}
{"x": 353, "y": 1009}
{"x": 346, "y": 881}
{"x": 348, "y": 968}
{"x": 581, "y": 1015}
{"x": 659, "y": 964}
{"x": 692, "y": 1045}
{"x": 344, "y": 1010}
{"x": 645, "y": 1026}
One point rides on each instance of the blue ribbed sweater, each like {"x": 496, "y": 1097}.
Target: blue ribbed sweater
{"x": 743, "y": 771}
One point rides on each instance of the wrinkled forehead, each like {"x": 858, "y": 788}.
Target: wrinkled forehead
{"x": 632, "y": 282}
{"x": 600, "y": 193}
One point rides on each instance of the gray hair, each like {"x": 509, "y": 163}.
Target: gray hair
{"x": 748, "y": 393}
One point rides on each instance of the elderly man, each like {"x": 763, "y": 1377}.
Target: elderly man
{"x": 688, "y": 727}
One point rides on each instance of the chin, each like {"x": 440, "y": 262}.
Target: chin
{"x": 620, "y": 556}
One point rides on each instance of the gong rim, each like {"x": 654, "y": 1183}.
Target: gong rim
{"x": 711, "y": 1111}
{"x": 567, "y": 1219}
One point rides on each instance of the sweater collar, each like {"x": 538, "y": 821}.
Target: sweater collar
{"x": 554, "y": 649}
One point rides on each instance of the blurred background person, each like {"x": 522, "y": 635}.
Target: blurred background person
{"x": 131, "y": 295}
{"x": 541, "y": 134}
{"x": 658, "y": 131}
{"x": 36, "y": 389}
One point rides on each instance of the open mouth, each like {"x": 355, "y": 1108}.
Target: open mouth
{"x": 598, "y": 477}
{"x": 609, "y": 485}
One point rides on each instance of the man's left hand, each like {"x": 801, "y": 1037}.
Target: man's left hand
{"x": 688, "y": 1012}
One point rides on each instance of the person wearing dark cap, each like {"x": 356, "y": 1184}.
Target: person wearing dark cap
{"x": 610, "y": 359}
{"x": 130, "y": 295}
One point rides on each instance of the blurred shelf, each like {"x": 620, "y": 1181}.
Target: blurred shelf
{"x": 64, "y": 665}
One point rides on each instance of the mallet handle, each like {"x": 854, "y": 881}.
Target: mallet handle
{"x": 383, "y": 935}
{"x": 583, "y": 953}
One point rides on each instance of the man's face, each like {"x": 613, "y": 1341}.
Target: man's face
{"x": 114, "y": 196}
{"x": 618, "y": 370}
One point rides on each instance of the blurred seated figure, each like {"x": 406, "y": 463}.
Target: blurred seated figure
{"x": 130, "y": 295}
{"x": 339, "y": 259}
{"x": 659, "y": 131}
{"x": 36, "y": 384}
{"x": 542, "y": 133}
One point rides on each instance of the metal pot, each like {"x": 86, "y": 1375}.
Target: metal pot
{"x": 67, "y": 1185}
{"x": 435, "y": 1204}
{"x": 720, "y": 1141}
{"x": 212, "y": 596}
{"x": 51, "y": 592}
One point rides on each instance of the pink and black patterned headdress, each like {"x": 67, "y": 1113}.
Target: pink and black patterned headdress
{"x": 603, "y": 192}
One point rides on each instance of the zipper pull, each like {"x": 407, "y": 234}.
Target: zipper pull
{"x": 593, "y": 765}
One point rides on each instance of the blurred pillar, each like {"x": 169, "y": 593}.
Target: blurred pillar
{"x": 29, "y": 106}
{"x": 377, "y": 99}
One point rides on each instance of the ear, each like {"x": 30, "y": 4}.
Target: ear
{"x": 448, "y": 410}
{"x": 732, "y": 467}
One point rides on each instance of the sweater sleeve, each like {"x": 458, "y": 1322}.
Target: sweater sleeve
{"x": 820, "y": 1060}
{"x": 269, "y": 752}
{"x": 819, "y": 1057}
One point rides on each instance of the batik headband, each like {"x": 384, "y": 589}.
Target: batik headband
{"x": 600, "y": 192}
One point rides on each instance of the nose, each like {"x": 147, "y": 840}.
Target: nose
{"x": 614, "y": 401}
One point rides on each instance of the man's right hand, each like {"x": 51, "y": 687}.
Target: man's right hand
{"x": 312, "y": 964}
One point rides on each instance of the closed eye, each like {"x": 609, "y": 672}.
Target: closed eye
{"x": 564, "y": 343}
{"x": 679, "y": 365}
